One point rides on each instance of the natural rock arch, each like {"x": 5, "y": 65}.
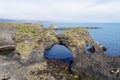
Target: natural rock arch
{"x": 59, "y": 54}
{"x": 74, "y": 38}
{"x": 31, "y": 43}
{"x": 40, "y": 40}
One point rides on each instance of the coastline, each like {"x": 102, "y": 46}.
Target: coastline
{"x": 23, "y": 65}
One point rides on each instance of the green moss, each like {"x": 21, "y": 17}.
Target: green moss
{"x": 25, "y": 32}
{"x": 25, "y": 47}
{"x": 51, "y": 35}
{"x": 28, "y": 37}
{"x": 28, "y": 32}
{"x": 75, "y": 36}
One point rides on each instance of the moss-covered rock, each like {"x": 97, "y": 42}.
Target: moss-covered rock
{"x": 26, "y": 40}
{"x": 50, "y": 39}
{"x": 75, "y": 38}
{"x": 31, "y": 41}
{"x": 26, "y": 33}
{"x": 25, "y": 47}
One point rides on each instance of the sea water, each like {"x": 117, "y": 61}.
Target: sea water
{"x": 108, "y": 35}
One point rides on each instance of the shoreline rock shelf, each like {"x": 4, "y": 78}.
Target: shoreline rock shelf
{"x": 31, "y": 43}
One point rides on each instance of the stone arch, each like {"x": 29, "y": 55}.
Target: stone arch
{"x": 60, "y": 45}
{"x": 60, "y": 56}
{"x": 75, "y": 39}
{"x": 40, "y": 40}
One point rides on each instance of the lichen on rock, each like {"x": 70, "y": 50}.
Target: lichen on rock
{"x": 31, "y": 41}
{"x": 25, "y": 32}
{"x": 75, "y": 38}
{"x": 50, "y": 38}
{"x": 25, "y": 47}
{"x": 26, "y": 38}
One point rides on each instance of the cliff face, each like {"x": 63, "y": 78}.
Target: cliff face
{"x": 31, "y": 43}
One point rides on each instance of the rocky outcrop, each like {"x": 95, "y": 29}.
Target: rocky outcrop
{"x": 7, "y": 31}
{"x": 6, "y": 36}
{"x": 50, "y": 39}
{"x": 76, "y": 40}
{"x": 31, "y": 43}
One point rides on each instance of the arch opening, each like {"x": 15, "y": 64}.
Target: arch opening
{"x": 59, "y": 31}
{"x": 90, "y": 49}
{"x": 59, "y": 55}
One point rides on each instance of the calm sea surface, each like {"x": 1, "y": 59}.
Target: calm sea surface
{"x": 108, "y": 35}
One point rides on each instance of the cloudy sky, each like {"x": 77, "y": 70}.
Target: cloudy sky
{"x": 62, "y": 10}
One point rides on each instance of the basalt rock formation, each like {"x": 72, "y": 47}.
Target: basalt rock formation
{"x": 27, "y": 61}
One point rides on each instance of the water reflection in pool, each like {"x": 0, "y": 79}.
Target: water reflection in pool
{"x": 60, "y": 52}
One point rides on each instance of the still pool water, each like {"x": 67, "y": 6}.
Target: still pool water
{"x": 59, "y": 52}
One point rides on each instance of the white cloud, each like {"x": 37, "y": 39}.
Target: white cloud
{"x": 62, "y": 10}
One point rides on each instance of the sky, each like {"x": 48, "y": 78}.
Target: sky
{"x": 61, "y": 10}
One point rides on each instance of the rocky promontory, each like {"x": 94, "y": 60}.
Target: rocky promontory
{"x": 27, "y": 61}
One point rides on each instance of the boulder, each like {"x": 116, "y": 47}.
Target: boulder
{"x": 103, "y": 48}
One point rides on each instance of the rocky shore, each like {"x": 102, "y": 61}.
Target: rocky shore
{"x": 27, "y": 61}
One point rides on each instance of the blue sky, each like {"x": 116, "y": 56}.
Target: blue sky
{"x": 62, "y": 10}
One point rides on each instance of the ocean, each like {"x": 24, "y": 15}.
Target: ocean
{"x": 108, "y": 35}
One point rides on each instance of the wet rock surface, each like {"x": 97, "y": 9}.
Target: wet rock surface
{"x": 27, "y": 62}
